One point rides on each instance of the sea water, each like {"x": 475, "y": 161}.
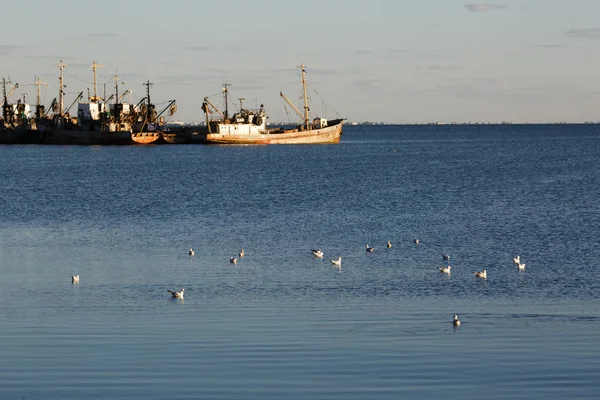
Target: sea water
{"x": 282, "y": 324}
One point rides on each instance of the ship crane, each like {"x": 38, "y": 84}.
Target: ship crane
{"x": 292, "y": 105}
{"x": 7, "y": 96}
{"x": 109, "y": 98}
{"x": 207, "y": 110}
{"x": 172, "y": 107}
{"x": 79, "y": 96}
{"x": 123, "y": 95}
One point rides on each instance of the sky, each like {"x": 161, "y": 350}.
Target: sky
{"x": 391, "y": 61}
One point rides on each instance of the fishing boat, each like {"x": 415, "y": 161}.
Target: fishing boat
{"x": 99, "y": 122}
{"x": 247, "y": 126}
{"x": 149, "y": 125}
{"x": 16, "y": 127}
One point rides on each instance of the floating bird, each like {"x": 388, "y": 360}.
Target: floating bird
{"x": 242, "y": 254}
{"x": 517, "y": 260}
{"x": 317, "y": 253}
{"x": 446, "y": 270}
{"x": 456, "y": 321}
{"x": 191, "y": 252}
{"x": 481, "y": 274}
{"x": 337, "y": 262}
{"x": 445, "y": 257}
{"x": 233, "y": 260}
{"x": 75, "y": 278}
{"x": 177, "y": 295}
{"x": 521, "y": 267}
{"x": 370, "y": 249}
{"x": 416, "y": 241}
{"x": 389, "y": 244}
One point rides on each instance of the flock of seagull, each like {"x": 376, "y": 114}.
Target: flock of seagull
{"x": 446, "y": 270}
{"x": 178, "y": 294}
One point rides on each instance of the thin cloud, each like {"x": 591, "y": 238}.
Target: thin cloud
{"x": 438, "y": 67}
{"x": 199, "y": 48}
{"x": 46, "y": 57}
{"x": 363, "y": 53}
{"x": 483, "y": 7}
{"x": 547, "y": 46}
{"x": 584, "y": 33}
{"x": 102, "y": 35}
{"x": 9, "y": 49}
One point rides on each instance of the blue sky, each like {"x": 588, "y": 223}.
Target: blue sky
{"x": 392, "y": 61}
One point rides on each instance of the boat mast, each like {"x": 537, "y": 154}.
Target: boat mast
{"x": 225, "y": 91}
{"x": 148, "y": 84}
{"x": 39, "y": 109}
{"x": 116, "y": 79}
{"x": 39, "y": 84}
{"x": 305, "y": 98}
{"x": 4, "y": 97}
{"x": 61, "y": 92}
{"x": 94, "y": 67}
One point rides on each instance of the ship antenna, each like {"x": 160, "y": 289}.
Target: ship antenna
{"x": 225, "y": 91}
{"x": 38, "y": 105}
{"x": 116, "y": 79}
{"x": 303, "y": 67}
{"x": 61, "y": 87}
{"x": 148, "y": 84}
{"x": 94, "y": 67}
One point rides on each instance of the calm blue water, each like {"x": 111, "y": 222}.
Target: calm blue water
{"x": 282, "y": 324}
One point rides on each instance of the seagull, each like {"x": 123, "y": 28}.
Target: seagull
{"x": 242, "y": 254}
{"x": 446, "y": 270}
{"x": 317, "y": 253}
{"x": 456, "y": 321}
{"x": 177, "y": 295}
{"x": 416, "y": 241}
{"x": 337, "y": 262}
{"x": 370, "y": 249}
{"x": 191, "y": 252}
{"x": 481, "y": 274}
{"x": 517, "y": 260}
{"x": 521, "y": 267}
{"x": 75, "y": 278}
{"x": 445, "y": 257}
{"x": 233, "y": 260}
{"x": 389, "y": 244}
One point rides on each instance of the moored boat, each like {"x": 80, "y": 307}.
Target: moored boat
{"x": 149, "y": 125}
{"x": 248, "y": 127}
{"x": 16, "y": 127}
{"x": 99, "y": 122}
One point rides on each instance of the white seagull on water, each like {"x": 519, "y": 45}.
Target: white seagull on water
{"x": 317, "y": 253}
{"x": 517, "y": 260}
{"x": 521, "y": 267}
{"x": 177, "y": 295}
{"x": 446, "y": 270}
{"x": 75, "y": 278}
{"x": 337, "y": 262}
{"x": 481, "y": 274}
